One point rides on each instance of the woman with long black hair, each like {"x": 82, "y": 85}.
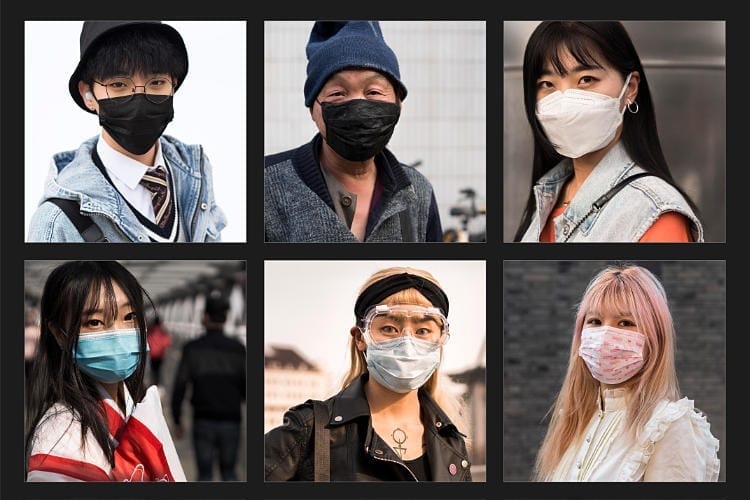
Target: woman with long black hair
{"x": 599, "y": 173}
{"x": 89, "y": 416}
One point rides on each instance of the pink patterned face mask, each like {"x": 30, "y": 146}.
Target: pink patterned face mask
{"x": 613, "y": 355}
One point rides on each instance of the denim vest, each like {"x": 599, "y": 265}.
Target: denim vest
{"x": 73, "y": 175}
{"x": 299, "y": 208}
{"x": 625, "y": 218}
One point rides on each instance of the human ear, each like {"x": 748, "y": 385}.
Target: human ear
{"x": 87, "y": 95}
{"x": 359, "y": 340}
{"x": 632, "y": 91}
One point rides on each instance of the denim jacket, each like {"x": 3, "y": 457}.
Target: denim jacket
{"x": 625, "y": 218}
{"x": 74, "y": 175}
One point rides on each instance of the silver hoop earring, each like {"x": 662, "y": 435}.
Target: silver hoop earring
{"x": 631, "y": 109}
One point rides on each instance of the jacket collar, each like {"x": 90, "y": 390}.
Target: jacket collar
{"x": 612, "y": 168}
{"x": 351, "y": 404}
{"x": 391, "y": 174}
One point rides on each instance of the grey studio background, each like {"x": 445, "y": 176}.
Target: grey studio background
{"x": 539, "y": 302}
{"x": 685, "y": 65}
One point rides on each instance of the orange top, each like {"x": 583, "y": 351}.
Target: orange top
{"x": 669, "y": 227}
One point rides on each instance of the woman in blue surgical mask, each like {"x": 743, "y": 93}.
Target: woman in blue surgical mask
{"x": 599, "y": 173}
{"x": 89, "y": 416}
{"x": 391, "y": 421}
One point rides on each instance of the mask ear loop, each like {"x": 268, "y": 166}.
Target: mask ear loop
{"x": 624, "y": 88}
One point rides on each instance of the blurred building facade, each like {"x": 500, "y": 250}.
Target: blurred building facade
{"x": 289, "y": 379}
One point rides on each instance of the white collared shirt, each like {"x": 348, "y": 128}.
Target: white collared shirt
{"x": 126, "y": 174}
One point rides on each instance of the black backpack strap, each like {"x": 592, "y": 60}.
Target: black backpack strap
{"x": 322, "y": 442}
{"x": 599, "y": 203}
{"x": 88, "y": 229}
{"x": 603, "y": 199}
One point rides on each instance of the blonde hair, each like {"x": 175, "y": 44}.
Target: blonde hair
{"x": 452, "y": 405}
{"x": 628, "y": 288}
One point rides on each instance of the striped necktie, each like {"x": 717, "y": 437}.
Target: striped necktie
{"x": 155, "y": 180}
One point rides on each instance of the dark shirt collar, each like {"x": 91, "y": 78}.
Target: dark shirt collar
{"x": 391, "y": 174}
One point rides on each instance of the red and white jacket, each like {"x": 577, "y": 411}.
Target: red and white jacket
{"x": 144, "y": 450}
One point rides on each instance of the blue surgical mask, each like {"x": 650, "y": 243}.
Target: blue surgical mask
{"x": 402, "y": 364}
{"x": 109, "y": 356}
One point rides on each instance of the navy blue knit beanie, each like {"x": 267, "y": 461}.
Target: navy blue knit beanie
{"x": 335, "y": 45}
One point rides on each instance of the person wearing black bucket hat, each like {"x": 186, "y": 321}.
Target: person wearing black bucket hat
{"x": 132, "y": 182}
{"x": 345, "y": 185}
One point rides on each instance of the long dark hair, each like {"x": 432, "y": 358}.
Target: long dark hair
{"x": 586, "y": 42}
{"x": 70, "y": 289}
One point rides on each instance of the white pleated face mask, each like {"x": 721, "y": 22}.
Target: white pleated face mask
{"x": 613, "y": 355}
{"x": 578, "y": 122}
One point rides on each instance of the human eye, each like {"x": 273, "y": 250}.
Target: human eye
{"x": 587, "y": 79}
{"x": 544, "y": 85}
{"x": 593, "y": 321}
{"x": 91, "y": 324}
{"x": 131, "y": 316}
{"x": 117, "y": 84}
{"x": 626, "y": 323}
{"x": 157, "y": 83}
{"x": 425, "y": 331}
{"x": 333, "y": 95}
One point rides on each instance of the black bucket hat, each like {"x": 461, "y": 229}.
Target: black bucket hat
{"x": 92, "y": 33}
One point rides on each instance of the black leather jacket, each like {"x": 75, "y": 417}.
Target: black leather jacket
{"x": 357, "y": 453}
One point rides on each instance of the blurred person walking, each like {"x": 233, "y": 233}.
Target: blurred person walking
{"x": 214, "y": 366}
{"x": 159, "y": 340}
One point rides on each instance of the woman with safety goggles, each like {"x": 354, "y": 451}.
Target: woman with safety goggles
{"x": 391, "y": 421}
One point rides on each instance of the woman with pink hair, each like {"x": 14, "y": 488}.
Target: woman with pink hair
{"x": 619, "y": 415}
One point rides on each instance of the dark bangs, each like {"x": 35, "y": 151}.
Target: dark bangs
{"x": 553, "y": 40}
{"x": 134, "y": 49}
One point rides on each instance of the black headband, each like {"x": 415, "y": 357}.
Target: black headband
{"x": 375, "y": 293}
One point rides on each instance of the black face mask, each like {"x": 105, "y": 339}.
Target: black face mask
{"x": 359, "y": 129}
{"x": 135, "y": 123}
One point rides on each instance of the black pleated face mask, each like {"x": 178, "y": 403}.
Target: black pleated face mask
{"x": 359, "y": 129}
{"x": 135, "y": 123}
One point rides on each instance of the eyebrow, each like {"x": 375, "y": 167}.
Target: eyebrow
{"x": 338, "y": 79}
{"x": 622, "y": 314}
{"x": 89, "y": 312}
{"x": 547, "y": 69}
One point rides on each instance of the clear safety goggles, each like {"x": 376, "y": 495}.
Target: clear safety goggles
{"x": 387, "y": 322}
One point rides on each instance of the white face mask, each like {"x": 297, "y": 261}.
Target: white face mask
{"x": 578, "y": 122}
{"x": 613, "y": 355}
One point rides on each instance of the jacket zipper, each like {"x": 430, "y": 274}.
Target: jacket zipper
{"x": 393, "y": 461}
{"x": 114, "y": 224}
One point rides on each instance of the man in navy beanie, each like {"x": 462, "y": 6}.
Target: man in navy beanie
{"x": 344, "y": 185}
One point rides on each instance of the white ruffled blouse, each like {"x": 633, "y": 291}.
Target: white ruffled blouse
{"x": 676, "y": 444}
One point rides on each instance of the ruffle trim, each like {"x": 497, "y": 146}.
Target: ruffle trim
{"x": 664, "y": 415}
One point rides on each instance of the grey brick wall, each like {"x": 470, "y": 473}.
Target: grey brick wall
{"x": 539, "y": 301}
